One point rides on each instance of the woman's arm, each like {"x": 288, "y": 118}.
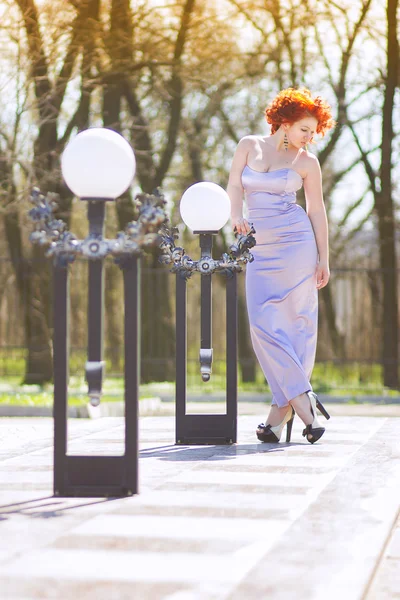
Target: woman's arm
{"x": 235, "y": 187}
{"x": 317, "y": 214}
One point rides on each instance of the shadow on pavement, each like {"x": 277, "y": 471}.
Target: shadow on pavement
{"x": 45, "y": 507}
{"x": 183, "y": 452}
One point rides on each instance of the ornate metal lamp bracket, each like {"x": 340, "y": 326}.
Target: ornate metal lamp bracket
{"x": 64, "y": 247}
{"x": 231, "y": 262}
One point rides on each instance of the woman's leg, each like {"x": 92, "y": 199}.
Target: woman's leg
{"x": 276, "y": 414}
{"x": 305, "y": 405}
{"x": 302, "y": 407}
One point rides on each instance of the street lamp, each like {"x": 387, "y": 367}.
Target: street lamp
{"x": 205, "y": 209}
{"x": 98, "y": 165}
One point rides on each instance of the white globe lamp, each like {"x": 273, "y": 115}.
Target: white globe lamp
{"x": 205, "y": 207}
{"x": 98, "y": 163}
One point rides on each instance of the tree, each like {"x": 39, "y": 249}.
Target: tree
{"x": 49, "y": 89}
{"x": 382, "y": 189}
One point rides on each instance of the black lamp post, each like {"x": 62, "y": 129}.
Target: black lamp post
{"x": 205, "y": 208}
{"x": 98, "y": 166}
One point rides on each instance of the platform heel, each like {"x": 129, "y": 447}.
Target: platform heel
{"x": 321, "y": 408}
{"x": 314, "y": 431}
{"x": 272, "y": 434}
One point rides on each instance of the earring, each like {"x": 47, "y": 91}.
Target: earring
{"x": 285, "y": 142}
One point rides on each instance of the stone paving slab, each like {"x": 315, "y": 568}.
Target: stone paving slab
{"x": 211, "y": 522}
{"x": 386, "y": 581}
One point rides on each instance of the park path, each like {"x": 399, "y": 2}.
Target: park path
{"x": 287, "y": 521}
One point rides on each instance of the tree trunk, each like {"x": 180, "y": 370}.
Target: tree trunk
{"x": 32, "y": 282}
{"x": 158, "y": 333}
{"x": 385, "y": 210}
{"x": 337, "y": 339}
{"x": 39, "y": 364}
{"x": 113, "y": 316}
{"x": 157, "y": 327}
{"x": 246, "y": 356}
{"x": 36, "y": 288}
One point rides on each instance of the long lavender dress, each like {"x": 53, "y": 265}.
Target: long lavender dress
{"x": 282, "y": 298}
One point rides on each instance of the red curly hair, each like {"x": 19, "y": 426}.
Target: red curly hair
{"x": 291, "y": 105}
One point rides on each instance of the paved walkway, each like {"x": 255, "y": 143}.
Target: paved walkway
{"x": 288, "y": 521}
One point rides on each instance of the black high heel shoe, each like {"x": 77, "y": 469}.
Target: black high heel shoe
{"x": 272, "y": 434}
{"x": 314, "y": 431}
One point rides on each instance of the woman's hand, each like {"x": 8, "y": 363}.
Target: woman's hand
{"x": 240, "y": 225}
{"x": 323, "y": 274}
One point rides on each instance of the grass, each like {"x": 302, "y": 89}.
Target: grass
{"x": 46, "y": 398}
{"x": 350, "y": 380}
{"x": 12, "y": 393}
{"x": 353, "y": 379}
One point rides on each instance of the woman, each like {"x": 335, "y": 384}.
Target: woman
{"x": 291, "y": 260}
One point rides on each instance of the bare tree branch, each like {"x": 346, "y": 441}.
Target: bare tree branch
{"x": 364, "y": 157}
{"x": 175, "y": 88}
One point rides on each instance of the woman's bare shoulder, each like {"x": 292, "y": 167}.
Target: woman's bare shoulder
{"x": 309, "y": 160}
{"x": 250, "y": 140}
